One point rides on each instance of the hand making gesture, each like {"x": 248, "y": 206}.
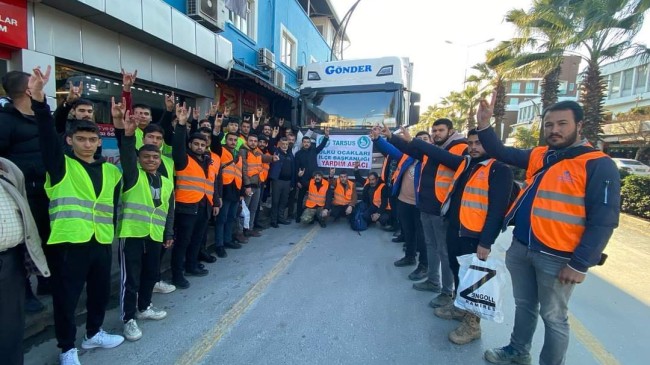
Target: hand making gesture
{"x": 128, "y": 79}
{"x": 130, "y": 124}
{"x": 118, "y": 110}
{"x": 485, "y": 112}
{"x": 182, "y": 113}
{"x": 37, "y": 82}
{"x": 74, "y": 92}
{"x": 170, "y": 101}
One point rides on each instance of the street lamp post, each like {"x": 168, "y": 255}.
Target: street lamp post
{"x": 467, "y": 48}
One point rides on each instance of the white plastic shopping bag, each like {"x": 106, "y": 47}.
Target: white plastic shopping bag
{"x": 246, "y": 215}
{"x": 481, "y": 287}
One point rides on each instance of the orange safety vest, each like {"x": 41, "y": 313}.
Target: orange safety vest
{"x": 376, "y": 197}
{"x": 399, "y": 168}
{"x": 558, "y": 213}
{"x": 254, "y": 162}
{"x": 216, "y": 160}
{"x": 343, "y": 196}
{"x": 192, "y": 184}
{"x": 230, "y": 171}
{"x": 474, "y": 201}
{"x": 444, "y": 174}
{"x": 264, "y": 174}
{"x": 316, "y": 197}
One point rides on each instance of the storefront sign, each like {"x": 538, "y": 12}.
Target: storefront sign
{"x": 13, "y": 23}
{"x": 342, "y": 151}
{"x": 228, "y": 96}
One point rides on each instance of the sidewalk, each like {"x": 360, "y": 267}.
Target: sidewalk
{"x": 37, "y": 323}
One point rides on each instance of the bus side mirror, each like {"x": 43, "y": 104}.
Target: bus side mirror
{"x": 414, "y": 108}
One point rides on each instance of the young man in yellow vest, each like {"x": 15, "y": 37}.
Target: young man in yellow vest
{"x": 198, "y": 184}
{"x": 253, "y": 160}
{"x": 563, "y": 220}
{"x": 475, "y": 204}
{"x": 318, "y": 201}
{"x": 344, "y": 195}
{"x": 152, "y": 134}
{"x": 83, "y": 193}
{"x": 145, "y": 225}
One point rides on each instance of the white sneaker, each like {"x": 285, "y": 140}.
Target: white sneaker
{"x": 163, "y": 287}
{"x": 103, "y": 340}
{"x": 132, "y": 331}
{"x": 69, "y": 358}
{"x": 151, "y": 313}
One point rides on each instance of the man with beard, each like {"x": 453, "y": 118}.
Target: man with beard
{"x": 198, "y": 184}
{"x": 232, "y": 194}
{"x": 474, "y": 208}
{"x": 283, "y": 177}
{"x": 432, "y": 190}
{"x": 344, "y": 195}
{"x": 318, "y": 202}
{"x": 253, "y": 165}
{"x": 306, "y": 164}
{"x": 563, "y": 220}
{"x": 375, "y": 195}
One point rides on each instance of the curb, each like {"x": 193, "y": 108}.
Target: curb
{"x": 630, "y": 221}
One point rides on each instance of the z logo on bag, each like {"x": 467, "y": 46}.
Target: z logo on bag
{"x": 476, "y": 298}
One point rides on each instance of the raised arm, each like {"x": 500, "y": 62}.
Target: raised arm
{"x": 179, "y": 146}
{"x": 500, "y": 182}
{"x": 438, "y": 154}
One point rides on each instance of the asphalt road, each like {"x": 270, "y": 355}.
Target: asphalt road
{"x": 307, "y": 295}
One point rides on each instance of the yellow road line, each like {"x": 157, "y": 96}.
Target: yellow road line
{"x": 209, "y": 340}
{"x": 590, "y": 341}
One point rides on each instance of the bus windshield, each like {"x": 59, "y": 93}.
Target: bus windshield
{"x": 351, "y": 110}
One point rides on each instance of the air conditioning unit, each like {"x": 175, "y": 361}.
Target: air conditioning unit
{"x": 299, "y": 74}
{"x": 210, "y": 13}
{"x": 278, "y": 79}
{"x": 265, "y": 59}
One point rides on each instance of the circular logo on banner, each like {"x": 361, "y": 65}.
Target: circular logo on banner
{"x": 364, "y": 142}
{"x": 320, "y": 139}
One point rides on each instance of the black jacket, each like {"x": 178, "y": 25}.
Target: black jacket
{"x": 19, "y": 143}
{"x": 307, "y": 159}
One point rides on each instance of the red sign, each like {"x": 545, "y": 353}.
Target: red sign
{"x": 13, "y": 23}
{"x": 106, "y": 130}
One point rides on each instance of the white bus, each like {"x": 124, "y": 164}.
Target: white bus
{"x": 351, "y": 96}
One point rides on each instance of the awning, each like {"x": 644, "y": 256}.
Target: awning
{"x": 255, "y": 79}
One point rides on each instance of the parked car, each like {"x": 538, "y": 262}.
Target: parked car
{"x": 632, "y": 166}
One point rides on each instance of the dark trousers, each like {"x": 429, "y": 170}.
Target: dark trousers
{"x": 409, "y": 217}
{"x": 73, "y": 265}
{"x": 291, "y": 202}
{"x": 300, "y": 200}
{"x": 338, "y": 211}
{"x": 39, "y": 204}
{"x": 189, "y": 233}
{"x": 12, "y": 305}
{"x": 140, "y": 269}
{"x": 225, "y": 221}
{"x": 384, "y": 218}
{"x": 279, "y": 198}
{"x": 458, "y": 246}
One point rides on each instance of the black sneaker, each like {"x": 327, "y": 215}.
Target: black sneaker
{"x": 206, "y": 257}
{"x": 322, "y": 224}
{"x": 221, "y": 252}
{"x": 398, "y": 239}
{"x": 405, "y": 261}
{"x": 181, "y": 282}
{"x": 507, "y": 355}
{"x": 419, "y": 273}
{"x": 197, "y": 272}
{"x": 275, "y": 225}
{"x": 233, "y": 245}
{"x": 284, "y": 221}
{"x": 33, "y": 305}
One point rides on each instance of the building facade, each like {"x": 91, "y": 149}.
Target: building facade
{"x": 628, "y": 87}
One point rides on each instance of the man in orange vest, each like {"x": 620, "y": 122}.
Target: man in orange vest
{"x": 375, "y": 195}
{"x": 563, "y": 217}
{"x": 318, "y": 201}
{"x": 197, "y": 198}
{"x": 474, "y": 207}
{"x": 253, "y": 160}
{"x": 232, "y": 194}
{"x": 344, "y": 195}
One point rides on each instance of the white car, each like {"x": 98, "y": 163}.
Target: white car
{"x": 632, "y": 166}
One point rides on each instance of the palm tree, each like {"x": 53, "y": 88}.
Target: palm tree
{"x": 598, "y": 31}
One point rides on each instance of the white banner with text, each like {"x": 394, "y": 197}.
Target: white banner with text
{"x": 342, "y": 151}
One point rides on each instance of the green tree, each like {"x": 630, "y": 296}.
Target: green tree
{"x": 526, "y": 137}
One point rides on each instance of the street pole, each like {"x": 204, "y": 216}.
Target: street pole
{"x": 467, "y": 48}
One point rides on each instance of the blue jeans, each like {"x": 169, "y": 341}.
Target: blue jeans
{"x": 225, "y": 221}
{"x": 538, "y": 292}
